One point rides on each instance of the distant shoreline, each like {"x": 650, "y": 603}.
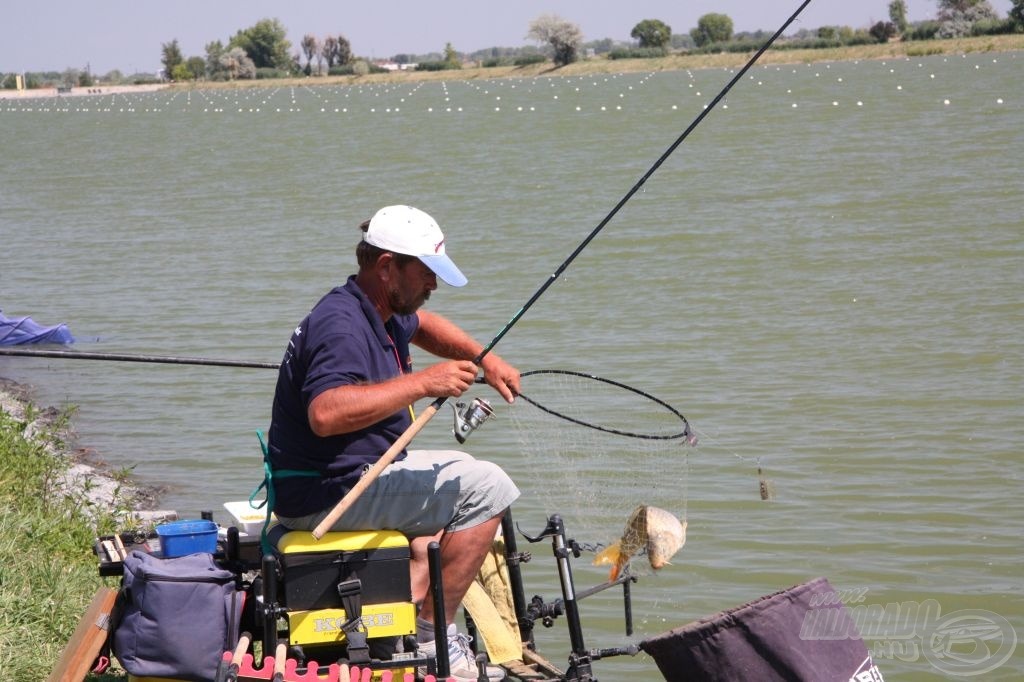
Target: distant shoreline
{"x": 891, "y": 50}
{"x": 82, "y": 92}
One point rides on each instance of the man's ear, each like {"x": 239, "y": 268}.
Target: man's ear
{"x": 383, "y": 266}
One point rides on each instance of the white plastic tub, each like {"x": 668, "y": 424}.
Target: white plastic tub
{"x": 247, "y": 520}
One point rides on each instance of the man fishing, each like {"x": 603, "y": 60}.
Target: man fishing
{"x": 344, "y": 395}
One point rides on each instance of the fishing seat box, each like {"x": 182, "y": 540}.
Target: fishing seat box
{"x": 312, "y": 569}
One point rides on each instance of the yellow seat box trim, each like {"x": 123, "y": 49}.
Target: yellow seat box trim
{"x": 299, "y": 541}
{"x": 323, "y": 626}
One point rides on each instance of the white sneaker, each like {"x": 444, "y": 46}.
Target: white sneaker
{"x": 461, "y": 661}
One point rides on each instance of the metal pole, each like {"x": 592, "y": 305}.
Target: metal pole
{"x": 515, "y": 576}
{"x": 440, "y": 622}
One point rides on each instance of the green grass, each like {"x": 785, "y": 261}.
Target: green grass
{"x": 48, "y": 573}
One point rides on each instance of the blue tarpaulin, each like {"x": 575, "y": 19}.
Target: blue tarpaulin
{"x": 17, "y": 331}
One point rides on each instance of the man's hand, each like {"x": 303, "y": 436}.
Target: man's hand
{"x": 448, "y": 379}
{"x": 503, "y": 377}
{"x": 441, "y": 337}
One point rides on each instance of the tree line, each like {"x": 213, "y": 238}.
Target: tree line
{"x": 562, "y": 41}
{"x": 264, "y": 51}
{"x": 714, "y": 32}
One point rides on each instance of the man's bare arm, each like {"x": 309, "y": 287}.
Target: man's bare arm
{"x": 345, "y": 409}
{"x": 442, "y": 337}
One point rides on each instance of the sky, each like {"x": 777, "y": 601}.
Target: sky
{"x": 54, "y": 35}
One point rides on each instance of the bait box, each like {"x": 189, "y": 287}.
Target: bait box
{"x": 248, "y": 520}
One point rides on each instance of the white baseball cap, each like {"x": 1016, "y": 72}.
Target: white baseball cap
{"x": 408, "y": 230}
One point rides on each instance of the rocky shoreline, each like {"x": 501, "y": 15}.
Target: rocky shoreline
{"x": 87, "y": 476}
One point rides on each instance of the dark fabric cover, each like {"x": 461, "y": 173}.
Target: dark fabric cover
{"x": 768, "y": 640}
{"x": 17, "y": 331}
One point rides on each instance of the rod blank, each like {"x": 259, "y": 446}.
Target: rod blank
{"x": 126, "y": 357}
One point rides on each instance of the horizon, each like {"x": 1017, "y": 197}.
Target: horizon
{"x": 128, "y": 36}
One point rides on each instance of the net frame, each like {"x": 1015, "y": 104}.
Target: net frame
{"x": 686, "y": 433}
{"x": 593, "y": 471}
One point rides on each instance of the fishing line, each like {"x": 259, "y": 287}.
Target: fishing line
{"x": 432, "y": 409}
{"x": 636, "y": 187}
{"x": 526, "y": 306}
{"x": 766, "y": 487}
{"x": 417, "y": 425}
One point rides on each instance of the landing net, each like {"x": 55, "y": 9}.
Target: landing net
{"x": 596, "y": 449}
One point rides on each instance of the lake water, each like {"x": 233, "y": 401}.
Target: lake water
{"x": 826, "y": 278}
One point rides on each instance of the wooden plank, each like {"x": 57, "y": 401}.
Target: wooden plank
{"x": 110, "y": 550}
{"x": 122, "y": 553}
{"x": 81, "y": 650}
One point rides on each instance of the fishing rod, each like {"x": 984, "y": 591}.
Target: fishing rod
{"x": 126, "y": 357}
{"x": 373, "y": 472}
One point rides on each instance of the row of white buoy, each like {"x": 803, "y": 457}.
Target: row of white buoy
{"x": 295, "y": 105}
{"x": 216, "y": 102}
{"x": 380, "y": 110}
{"x": 21, "y": 106}
{"x": 377, "y": 89}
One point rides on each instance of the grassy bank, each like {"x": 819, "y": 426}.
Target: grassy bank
{"x": 893, "y": 50}
{"x": 47, "y": 570}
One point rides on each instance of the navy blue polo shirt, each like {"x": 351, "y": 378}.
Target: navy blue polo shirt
{"x": 340, "y": 343}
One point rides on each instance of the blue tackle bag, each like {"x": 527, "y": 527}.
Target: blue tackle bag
{"x": 178, "y": 616}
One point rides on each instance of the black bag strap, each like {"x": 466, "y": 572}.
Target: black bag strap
{"x": 351, "y": 593}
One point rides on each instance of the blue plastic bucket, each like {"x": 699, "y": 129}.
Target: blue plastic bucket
{"x": 179, "y": 538}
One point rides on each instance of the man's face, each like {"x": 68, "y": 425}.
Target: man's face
{"x": 411, "y": 286}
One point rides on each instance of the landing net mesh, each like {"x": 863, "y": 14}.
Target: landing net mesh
{"x": 571, "y": 428}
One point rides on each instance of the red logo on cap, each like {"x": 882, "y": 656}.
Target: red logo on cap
{"x": 439, "y": 245}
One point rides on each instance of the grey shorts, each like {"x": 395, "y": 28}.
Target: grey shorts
{"x": 428, "y": 491}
